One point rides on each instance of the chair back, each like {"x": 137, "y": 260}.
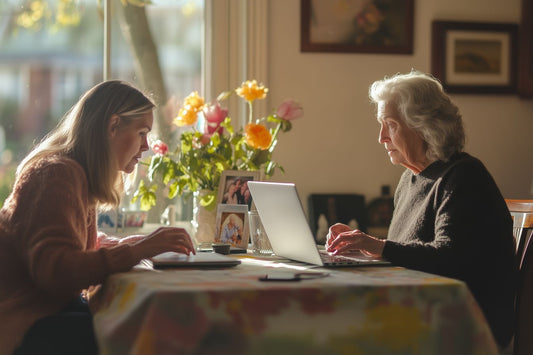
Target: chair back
{"x": 522, "y": 213}
{"x": 335, "y": 208}
{"x": 523, "y": 339}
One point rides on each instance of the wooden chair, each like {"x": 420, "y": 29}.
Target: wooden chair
{"x": 522, "y": 213}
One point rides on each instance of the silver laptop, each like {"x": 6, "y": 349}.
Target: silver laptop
{"x": 287, "y": 228}
{"x": 201, "y": 259}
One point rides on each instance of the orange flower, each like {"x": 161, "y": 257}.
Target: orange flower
{"x": 257, "y": 136}
{"x": 251, "y": 91}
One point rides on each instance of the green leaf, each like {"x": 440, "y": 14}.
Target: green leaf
{"x": 224, "y": 95}
{"x": 208, "y": 200}
{"x": 173, "y": 189}
{"x": 148, "y": 201}
{"x": 227, "y": 125}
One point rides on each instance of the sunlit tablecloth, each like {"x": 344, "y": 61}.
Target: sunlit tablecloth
{"x": 364, "y": 310}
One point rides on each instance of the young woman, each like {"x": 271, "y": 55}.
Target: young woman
{"x": 50, "y": 250}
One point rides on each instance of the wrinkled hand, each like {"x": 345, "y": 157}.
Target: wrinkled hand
{"x": 162, "y": 240}
{"x": 342, "y": 240}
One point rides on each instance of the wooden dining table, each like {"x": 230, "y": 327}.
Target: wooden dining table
{"x": 352, "y": 310}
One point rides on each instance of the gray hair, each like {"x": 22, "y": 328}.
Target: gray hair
{"x": 425, "y": 108}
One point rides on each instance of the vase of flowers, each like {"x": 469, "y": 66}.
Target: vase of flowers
{"x": 203, "y": 153}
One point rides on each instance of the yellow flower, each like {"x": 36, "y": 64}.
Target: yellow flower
{"x": 186, "y": 117}
{"x": 251, "y": 91}
{"x": 195, "y": 101}
{"x": 257, "y": 136}
{"x": 188, "y": 114}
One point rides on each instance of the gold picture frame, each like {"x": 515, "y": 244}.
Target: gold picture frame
{"x": 240, "y": 178}
{"x": 232, "y": 225}
{"x": 384, "y": 26}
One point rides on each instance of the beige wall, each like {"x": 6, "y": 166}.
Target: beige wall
{"x": 334, "y": 147}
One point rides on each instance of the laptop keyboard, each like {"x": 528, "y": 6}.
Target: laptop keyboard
{"x": 329, "y": 259}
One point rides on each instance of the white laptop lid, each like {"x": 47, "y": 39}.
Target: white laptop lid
{"x": 284, "y": 220}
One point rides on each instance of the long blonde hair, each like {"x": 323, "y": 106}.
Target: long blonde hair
{"x": 82, "y": 135}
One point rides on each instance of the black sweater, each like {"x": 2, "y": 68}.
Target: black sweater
{"x": 452, "y": 220}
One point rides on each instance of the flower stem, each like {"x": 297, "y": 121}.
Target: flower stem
{"x": 250, "y": 114}
{"x": 274, "y": 138}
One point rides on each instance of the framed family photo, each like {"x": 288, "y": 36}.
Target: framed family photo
{"x": 475, "y": 57}
{"x": 131, "y": 219}
{"x": 357, "y": 26}
{"x": 233, "y": 187}
{"x": 232, "y": 225}
{"x": 107, "y": 221}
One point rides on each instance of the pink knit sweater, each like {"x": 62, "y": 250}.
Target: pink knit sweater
{"x": 48, "y": 247}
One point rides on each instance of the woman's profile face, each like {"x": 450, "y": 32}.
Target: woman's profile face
{"x": 404, "y": 146}
{"x": 129, "y": 141}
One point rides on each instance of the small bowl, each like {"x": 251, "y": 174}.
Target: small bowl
{"x": 221, "y": 248}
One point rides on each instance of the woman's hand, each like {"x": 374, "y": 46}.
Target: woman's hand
{"x": 162, "y": 240}
{"x": 341, "y": 240}
{"x": 131, "y": 239}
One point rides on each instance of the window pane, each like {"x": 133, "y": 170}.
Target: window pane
{"x": 52, "y": 52}
{"x": 45, "y": 65}
{"x": 158, "y": 47}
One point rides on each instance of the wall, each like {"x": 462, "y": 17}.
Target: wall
{"x": 334, "y": 147}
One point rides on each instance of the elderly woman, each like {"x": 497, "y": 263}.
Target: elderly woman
{"x": 449, "y": 217}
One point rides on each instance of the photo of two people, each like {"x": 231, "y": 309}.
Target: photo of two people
{"x": 234, "y": 187}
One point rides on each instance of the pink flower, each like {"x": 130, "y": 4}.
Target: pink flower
{"x": 214, "y": 115}
{"x": 289, "y": 110}
{"x": 205, "y": 139}
{"x": 159, "y": 147}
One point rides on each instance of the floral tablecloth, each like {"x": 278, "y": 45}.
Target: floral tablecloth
{"x": 360, "y": 310}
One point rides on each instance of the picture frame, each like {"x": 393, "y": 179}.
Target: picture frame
{"x": 525, "y": 79}
{"x": 106, "y": 221}
{"x": 232, "y": 225}
{"x": 375, "y": 26}
{"x": 131, "y": 219}
{"x": 475, "y": 57}
{"x": 239, "y": 180}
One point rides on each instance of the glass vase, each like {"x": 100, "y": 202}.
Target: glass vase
{"x": 203, "y": 222}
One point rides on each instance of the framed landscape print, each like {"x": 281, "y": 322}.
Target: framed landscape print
{"x": 475, "y": 57}
{"x": 355, "y": 26}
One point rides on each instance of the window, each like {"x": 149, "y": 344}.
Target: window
{"x": 47, "y": 62}
{"x": 52, "y": 52}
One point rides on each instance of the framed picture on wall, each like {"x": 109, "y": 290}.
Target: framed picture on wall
{"x": 525, "y": 67}
{"x": 354, "y": 26}
{"x": 475, "y": 57}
